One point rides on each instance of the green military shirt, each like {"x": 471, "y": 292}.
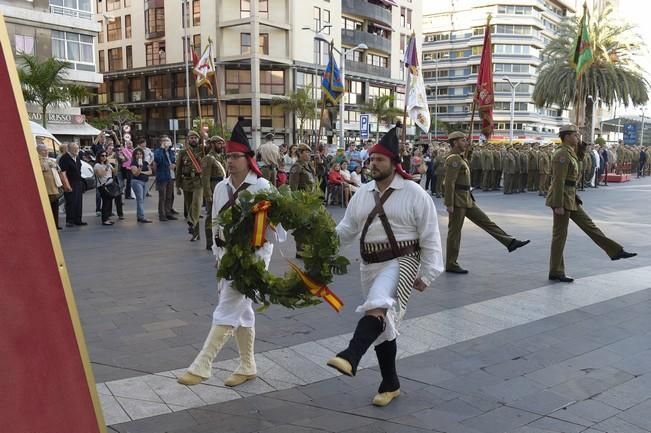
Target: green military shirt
{"x": 187, "y": 175}
{"x": 486, "y": 160}
{"x": 544, "y": 163}
{"x": 565, "y": 175}
{"x": 509, "y": 162}
{"x": 497, "y": 160}
{"x": 524, "y": 162}
{"x": 301, "y": 176}
{"x": 457, "y": 182}
{"x": 212, "y": 172}
{"x": 533, "y": 160}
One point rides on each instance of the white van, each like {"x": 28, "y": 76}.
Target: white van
{"x": 42, "y": 135}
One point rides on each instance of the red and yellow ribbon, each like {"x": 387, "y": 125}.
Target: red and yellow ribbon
{"x": 260, "y": 222}
{"x": 317, "y": 289}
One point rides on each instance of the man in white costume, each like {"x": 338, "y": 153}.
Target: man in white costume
{"x": 400, "y": 245}
{"x": 234, "y": 312}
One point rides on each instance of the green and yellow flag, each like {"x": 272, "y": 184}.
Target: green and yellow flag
{"x": 582, "y": 58}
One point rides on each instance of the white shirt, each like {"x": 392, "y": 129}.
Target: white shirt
{"x": 233, "y": 308}
{"x": 412, "y": 215}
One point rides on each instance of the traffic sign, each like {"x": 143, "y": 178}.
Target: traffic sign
{"x": 126, "y": 136}
{"x": 174, "y": 124}
{"x": 364, "y": 126}
{"x": 126, "y": 128}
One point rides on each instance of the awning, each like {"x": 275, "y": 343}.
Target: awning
{"x": 381, "y": 26}
{"x": 389, "y": 2}
{"x": 83, "y": 129}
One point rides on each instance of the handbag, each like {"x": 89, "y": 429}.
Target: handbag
{"x": 110, "y": 189}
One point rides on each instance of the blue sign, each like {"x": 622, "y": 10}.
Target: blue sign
{"x": 364, "y": 126}
{"x": 630, "y": 133}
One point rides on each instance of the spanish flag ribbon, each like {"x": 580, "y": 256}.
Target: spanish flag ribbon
{"x": 317, "y": 289}
{"x": 260, "y": 222}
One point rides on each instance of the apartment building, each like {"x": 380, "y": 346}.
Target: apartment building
{"x": 66, "y": 30}
{"x": 262, "y": 49}
{"x": 453, "y": 40}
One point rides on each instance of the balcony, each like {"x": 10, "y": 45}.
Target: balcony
{"x": 370, "y": 70}
{"x": 70, "y": 12}
{"x": 367, "y": 10}
{"x": 373, "y": 42}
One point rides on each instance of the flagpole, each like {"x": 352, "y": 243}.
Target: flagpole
{"x": 407, "y": 79}
{"x": 219, "y": 116}
{"x": 196, "y": 87}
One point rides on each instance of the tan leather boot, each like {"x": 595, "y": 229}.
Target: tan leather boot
{"x": 245, "y": 338}
{"x": 201, "y": 368}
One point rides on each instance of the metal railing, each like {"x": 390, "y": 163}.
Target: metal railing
{"x": 363, "y": 68}
{"x": 69, "y": 12}
{"x": 367, "y": 10}
{"x": 354, "y": 37}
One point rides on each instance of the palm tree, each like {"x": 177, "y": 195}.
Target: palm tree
{"x": 299, "y": 104}
{"x": 43, "y": 83}
{"x": 614, "y": 75}
{"x": 383, "y": 110}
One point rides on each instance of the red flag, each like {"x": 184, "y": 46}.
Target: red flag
{"x": 484, "y": 96}
{"x": 195, "y": 58}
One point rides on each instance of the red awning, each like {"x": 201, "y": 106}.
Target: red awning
{"x": 381, "y": 26}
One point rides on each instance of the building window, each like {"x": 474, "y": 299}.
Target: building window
{"x": 136, "y": 89}
{"x": 514, "y": 10}
{"x": 119, "y": 92}
{"x": 102, "y": 64}
{"x": 374, "y": 91}
{"x": 238, "y": 81}
{"x": 127, "y": 3}
{"x": 350, "y": 24}
{"x": 102, "y": 94}
{"x": 155, "y": 53}
{"x": 272, "y": 117}
{"x": 272, "y": 82}
{"x": 196, "y": 43}
{"x": 100, "y": 35}
{"x": 435, "y": 37}
{"x": 127, "y": 26}
{"x": 115, "y": 59}
{"x": 235, "y": 111}
{"x": 113, "y": 5}
{"x": 129, "y": 57}
{"x": 74, "y": 8}
{"x": 321, "y": 52}
{"x": 179, "y": 86}
{"x": 114, "y": 29}
{"x": 75, "y": 48}
{"x": 154, "y": 20}
{"x": 245, "y": 43}
{"x": 325, "y": 18}
{"x": 354, "y": 92}
{"x": 196, "y": 13}
{"x": 317, "y": 18}
{"x": 24, "y": 44}
{"x": 158, "y": 87}
{"x": 375, "y": 60}
{"x": 245, "y": 8}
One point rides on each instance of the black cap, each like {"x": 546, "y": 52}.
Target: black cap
{"x": 391, "y": 142}
{"x": 239, "y": 136}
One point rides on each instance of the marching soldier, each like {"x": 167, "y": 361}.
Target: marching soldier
{"x": 475, "y": 166}
{"x": 461, "y": 204}
{"x": 188, "y": 173}
{"x": 212, "y": 172}
{"x": 269, "y": 159}
{"x": 439, "y": 170}
{"x": 497, "y": 165}
{"x": 524, "y": 169}
{"x": 302, "y": 178}
{"x": 509, "y": 170}
{"x": 486, "y": 169}
{"x": 566, "y": 204}
{"x": 533, "y": 169}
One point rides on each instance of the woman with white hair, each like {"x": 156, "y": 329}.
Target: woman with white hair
{"x": 52, "y": 179}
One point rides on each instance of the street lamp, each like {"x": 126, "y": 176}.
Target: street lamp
{"x": 436, "y": 99}
{"x": 186, "y": 47}
{"x": 317, "y": 62}
{"x": 513, "y": 86}
{"x": 342, "y": 60}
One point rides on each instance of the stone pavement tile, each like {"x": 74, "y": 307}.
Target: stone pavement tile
{"x": 638, "y": 415}
{"x": 483, "y": 403}
{"x": 618, "y": 425}
{"x": 133, "y": 388}
{"x": 636, "y": 364}
{"x": 586, "y": 412}
{"x": 287, "y": 428}
{"x": 434, "y": 419}
{"x": 426, "y": 374}
{"x": 555, "y": 374}
{"x": 173, "y": 393}
{"x": 470, "y": 383}
{"x": 593, "y": 383}
{"x": 210, "y": 394}
{"x": 292, "y": 413}
{"x": 632, "y": 345}
{"x": 113, "y": 412}
{"x": 301, "y": 367}
{"x": 501, "y": 420}
{"x": 512, "y": 389}
{"x": 387, "y": 427}
{"x": 210, "y": 421}
{"x": 548, "y": 356}
{"x": 628, "y": 394}
{"x": 542, "y": 403}
{"x": 556, "y": 425}
{"x": 458, "y": 409}
{"x": 293, "y": 394}
{"x": 139, "y": 409}
{"x": 595, "y": 359}
{"x": 336, "y": 422}
{"x": 514, "y": 367}
{"x": 158, "y": 424}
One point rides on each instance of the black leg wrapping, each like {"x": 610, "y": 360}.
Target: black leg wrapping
{"x": 386, "y": 356}
{"x": 368, "y": 330}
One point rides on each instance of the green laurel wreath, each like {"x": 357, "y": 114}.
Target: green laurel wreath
{"x": 313, "y": 227}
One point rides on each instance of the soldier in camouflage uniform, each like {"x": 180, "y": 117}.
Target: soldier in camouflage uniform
{"x": 188, "y": 175}
{"x": 302, "y": 177}
{"x": 212, "y": 172}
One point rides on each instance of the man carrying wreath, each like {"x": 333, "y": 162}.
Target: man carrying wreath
{"x": 400, "y": 246}
{"x": 234, "y": 313}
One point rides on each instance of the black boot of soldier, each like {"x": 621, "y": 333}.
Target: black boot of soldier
{"x": 368, "y": 330}
{"x": 390, "y": 386}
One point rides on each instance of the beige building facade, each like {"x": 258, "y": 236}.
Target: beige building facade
{"x": 141, "y": 53}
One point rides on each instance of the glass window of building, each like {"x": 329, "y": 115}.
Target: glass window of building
{"x": 129, "y": 53}
{"x": 127, "y": 26}
{"x": 272, "y": 82}
{"x": 245, "y": 8}
{"x": 196, "y": 43}
{"x": 157, "y": 87}
{"x": 234, "y": 111}
{"x": 351, "y": 24}
{"x": 320, "y": 52}
{"x": 119, "y": 91}
{"x": 238, "y": 81}
{"x": 24, "y": 44}
{"x": 136, "y": 87}
{"x": 325, "y": 19}
{"x": 354, "y": 92}
{"x": 245, "y": 43}
{"x": 114, "y": 29}
{"x": 272, "y": 117}
{"x": 155, "y": 53}
{"x": 196, "y": 13}
{"x": 376, "y": 60}
{"x": 179, "y": 85}
{"x": 75, "y": 48}
{"x": 113, "y": 5}
{"x": 514, "y": 10}
{"x": 374, "y": 91}
{"x": 154, "y": 19}
{"x": 74, "y": 8}
{"x": 127, "y": 3}
{"x": 102, "y": 94}
{"x": 115, "y": 59}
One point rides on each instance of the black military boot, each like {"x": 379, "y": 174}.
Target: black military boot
{"x": 368, "y": 330}
{"x": 390, "y": 386}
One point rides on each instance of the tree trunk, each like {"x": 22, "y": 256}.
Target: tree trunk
{"x": 44, "y": 113}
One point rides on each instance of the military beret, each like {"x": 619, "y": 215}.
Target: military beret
{"x": 456, "y": 134}
{"x": 193, "y": 132}
{"x": 269, "y": 135}
{"x": 215, "y": 138}
{"x": 568, "y": 128}
{"x": 303, "y": 146}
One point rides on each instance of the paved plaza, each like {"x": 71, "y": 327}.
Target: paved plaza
{"x": 500, "y": 350}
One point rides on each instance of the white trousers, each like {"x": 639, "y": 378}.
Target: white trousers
{"x": 379, "y": 284}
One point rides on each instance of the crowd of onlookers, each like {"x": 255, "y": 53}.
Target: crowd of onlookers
{"x": 122, "y": 171}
